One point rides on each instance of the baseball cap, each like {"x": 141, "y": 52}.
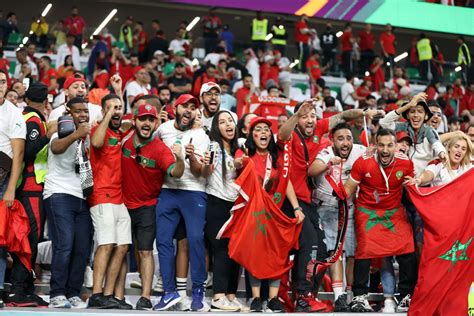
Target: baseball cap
{"x": 145, "y": 110}
{"x": 257, "y": 120}
{"x": 403, "y": 135}
{"x": 137, "y": 69}
{"x": 208, "y": 86}
{"x": 158, "y": 52}
{"x": 71, "y": 80}
{"x": 37, "y": 92}
{"x": 185, "y": 98}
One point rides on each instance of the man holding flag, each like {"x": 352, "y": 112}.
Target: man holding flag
{"x": 382, "y": 227}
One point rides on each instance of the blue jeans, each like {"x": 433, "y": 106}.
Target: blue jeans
{"x": 70, "y": 228}
{"x": 387, "y": 276}
{"x": 191, "y": 205}
{"x": 3, "y": 250}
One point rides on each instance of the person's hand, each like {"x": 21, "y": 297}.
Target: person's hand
{"x": 83, "y": 130}
{"x": 163, "y": 116}
{"x": 239, "y": 162}
{"x": 417, "y": 98}
{"x": 110, "y": 113}
{"x": 116, "y": 82}
{"x": 442, "y": 157}
{"x": 370, "y": 151}
{"x": 177, "y": 150}
{"x": 305, "y": 108}
{"x": 189, "y": 149}
{"x": 411, "y": 181}
{"x": 299, "y": 216}
{"x": 371, "y": 113}
{"x": 9, "y": 197}
{"x": 206, "y": 160}
{"x": 335, "y": 161}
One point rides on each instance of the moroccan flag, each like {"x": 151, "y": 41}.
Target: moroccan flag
{"x": 447, "y": 262}
{"x": 261, "y": 236}
{"x": 382, "y": 233}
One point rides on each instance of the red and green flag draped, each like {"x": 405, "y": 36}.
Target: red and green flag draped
{"x": 446, "y": 271}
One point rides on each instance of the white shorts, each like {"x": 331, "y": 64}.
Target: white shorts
{"x": 112, "y": 224}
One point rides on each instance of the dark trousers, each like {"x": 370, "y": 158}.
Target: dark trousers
{"x": 347, "y": 62}
{"x": 70, "y": 227}
{"x": 311, "y": 239}
{"x": 424, "y": 69}
{"x": 330, "y": 57}
{"x": 366, "y": 58}
{"x": 280, "y": 48}
{"x": 303, "y": 55}
{"x": 210, "y": 43}
{"x": 259, "y": 45}
{"x": 225, "y": 270}
{"x": 21, "y": 278}
{"x": 78, "y": 41}
{"x": 408, "y": 275}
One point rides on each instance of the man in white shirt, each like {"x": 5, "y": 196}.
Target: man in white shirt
{"x": 141, "y": 85}
{"x": 344, "y": 152}
{"x": 23, "y": 62}
{"x": 184, "y": 197}
{"x": 210, "y": 96}
{"x": 179, "y": 44}
{"x": 12, "y": 145}
{"x": 348, "y": 95}
{"x": 66, "y": 49}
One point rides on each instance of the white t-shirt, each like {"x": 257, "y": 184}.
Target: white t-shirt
{"x": 170, "y": 135}
{"x": 254, "y": 69}
{"x": 346, "y": 90}
{"x": 133, "y": 89}
{"x": 324, "y": 189}
{"x": 12, "y": 125}
{"x": 31, "y": 64}
{"x": 213, "y": 58}
{"x": 215, "y": 185}
{"x": 95, "y": 113}
{"x": 442, "y": 175}
{"x": 177, "y": 45}
{"x": 61, "y": 176}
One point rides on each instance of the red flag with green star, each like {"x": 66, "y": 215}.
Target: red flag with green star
{"x": 447, "y": 261}
{"x": 261, "y": 236}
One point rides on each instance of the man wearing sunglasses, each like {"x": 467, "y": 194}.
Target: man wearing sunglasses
{"x": 145, "y": 163}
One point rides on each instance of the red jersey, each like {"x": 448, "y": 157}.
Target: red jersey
{"x": 107, "y": 169}
{"x": 378, "y": 78}
{"x": 467, "y": 102}
{"x": 46, "y": 79}
{"x": 367, "y": 41}
{"x": 141, "y": 46}
{"x": 141, "y": 182}
{"x": 75, "y": 24}
{"x": 271, "y": 112}
{"x": 346, "y": 41}
{"x": 362, "y": 91}
{"x": 375, "y": 190}
{"x": 300, "y": 37}
{"x": 299, "y": 171}
{"x": 242, "y": 104}
{"x": 388, "y": 42}
{"x": 314, "y": 68}
{"x": 268, "y": 72}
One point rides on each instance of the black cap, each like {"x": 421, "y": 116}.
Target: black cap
{"x": 179, "y": 65}
{"x": 454, "y": 119}
{"x": 37, "y": 92}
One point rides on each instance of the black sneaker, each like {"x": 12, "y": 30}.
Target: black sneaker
{"x": 275, "y": 306}
{"x": 144, "y": 304}
{"x": 99, "y": 301}
{"x": 340, "y": 305}
{"x": 20, "y": 300}
{"x": 39, "y": 300}
{"x": 2, "y": 305}
{"x": 121, "y": 303}
{"x": 257, "y": 305}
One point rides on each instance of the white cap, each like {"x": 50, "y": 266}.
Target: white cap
{"x": 267, "y": 58}
{"x": 208, "y": 86}
{"x": 158, "y": 52}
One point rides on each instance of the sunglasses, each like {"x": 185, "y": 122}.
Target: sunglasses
{"x": 138, "y": 158}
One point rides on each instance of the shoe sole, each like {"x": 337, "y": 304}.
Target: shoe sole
{"x": 170, "y": 304}
{"x": 21, "y": 305}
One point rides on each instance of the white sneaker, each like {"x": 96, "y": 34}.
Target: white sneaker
{"x": 59, "y": 302}
{"x": 136, "y": 284}
{"x": 389, "y": 306}
{"x": 238, "y": 303}
{"x": 184, "y": 304}
{"x": 223, "y": 304}
{"x": 88, "y": 277}
{"x": 77, "y": 303}
{"x": 360, "y": 304}
{"x": 159, "y": 285}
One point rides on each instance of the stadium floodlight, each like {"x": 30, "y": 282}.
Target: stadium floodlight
{"x": 104, "y": 22}
{"x": 31, "y": 33}
{"x": 193, "y": 23}
{"x": 367, "y": 73}
{"x": 293, "y": 64}
{"x": 339, "y": 34}
{"x": 269, "y": 36}
{"x": 458, "y": 69}
{"x": 25, "y": 40}
{"x": 46, "y": 10}
{"x": 400, "y": 57}
{"x": 388, "y": 64}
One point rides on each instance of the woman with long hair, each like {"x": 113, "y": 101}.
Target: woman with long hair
{"x": 221, "y": 196}
{"x": 267, "y": 158}
{"x": 460, "y": 151}
{"x": 67, "y": 69}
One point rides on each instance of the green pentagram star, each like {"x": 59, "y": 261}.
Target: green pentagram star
{"x": 260, "y": 226}
{"x": 373, "y": 220}
{"x": 452, "y": 254}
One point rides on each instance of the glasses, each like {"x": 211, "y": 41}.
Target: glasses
{"x": 261, "y": 129}
{"x": 212, "y": 94}
{"x": 138, "y": 158}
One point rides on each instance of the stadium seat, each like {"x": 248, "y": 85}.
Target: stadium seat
{"x": 413, "y": 73}
{"x": 15, "y": 39}
{"x": 302, "y": 86}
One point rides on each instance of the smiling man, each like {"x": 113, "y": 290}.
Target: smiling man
{"x": 380, "y": 219}
{"x": 210, "y": 96}
{"x": 145, "y": 163}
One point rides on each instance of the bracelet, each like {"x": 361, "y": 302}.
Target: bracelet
{"x": 298, "y": 208}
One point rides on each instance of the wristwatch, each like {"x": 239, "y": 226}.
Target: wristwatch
{"x": 298, "y": 208}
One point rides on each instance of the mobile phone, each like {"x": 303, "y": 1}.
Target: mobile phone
{"x": 26, "y": 83}
{"x": 212, "y": 153}
{"x": 50, "y": 98}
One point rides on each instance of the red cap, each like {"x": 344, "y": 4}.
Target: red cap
{"x": 185, "y": 98}
{"x": 259, "y": 119}
{"x": 401, "y": 135}
{"x": 69, "y": 81}
{"x": 144, "y": 110}
{"x": 137, "y": 69}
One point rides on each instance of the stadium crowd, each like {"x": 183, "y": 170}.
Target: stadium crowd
{"x": 144, "y": 149}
